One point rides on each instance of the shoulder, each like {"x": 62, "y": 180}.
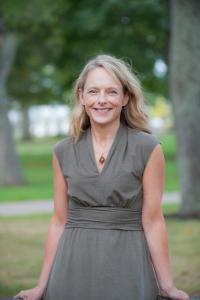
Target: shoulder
{"x": 141, "y": 138}
{"x": 62, "y": 143}
{"x": 62, "y": 146}
{"x": 142, "y": 143}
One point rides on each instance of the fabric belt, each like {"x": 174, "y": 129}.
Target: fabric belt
{"x": 104, "y": 218}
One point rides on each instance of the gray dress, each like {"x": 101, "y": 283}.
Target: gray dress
{"x": 102, "y": 253}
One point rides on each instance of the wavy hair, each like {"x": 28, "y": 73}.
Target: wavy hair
{"x": 133, "y": 114}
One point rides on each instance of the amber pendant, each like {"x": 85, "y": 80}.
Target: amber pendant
{"x": 102, "y": 159}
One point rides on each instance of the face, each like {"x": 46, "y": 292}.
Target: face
{"x": 102, "y": 96}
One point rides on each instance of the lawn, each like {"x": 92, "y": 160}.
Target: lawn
{"x": 36, "y": 156}
{"x": 22, "y": 250}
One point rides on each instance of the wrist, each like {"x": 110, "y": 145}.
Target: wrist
{"x": 41, "y": 286}
{"x": 166, "y": 287}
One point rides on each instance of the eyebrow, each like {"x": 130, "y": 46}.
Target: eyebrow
{"x": 109, "y": 87}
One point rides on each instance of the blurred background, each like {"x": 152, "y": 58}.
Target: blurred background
{"x": 43, "y": 47}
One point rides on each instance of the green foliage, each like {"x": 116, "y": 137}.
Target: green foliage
{"x": 65, "y": 34}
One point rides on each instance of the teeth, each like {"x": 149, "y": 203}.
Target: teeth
{"x": 102, "y": 108}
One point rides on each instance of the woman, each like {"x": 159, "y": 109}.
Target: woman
{"x": 107, "y": 237}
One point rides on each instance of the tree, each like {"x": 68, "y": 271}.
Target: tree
{"x": 64, "y": 34}
{"x": 185, "y": 93}
{"x": 9, "y": 164}
{"x": 67, "y": 33}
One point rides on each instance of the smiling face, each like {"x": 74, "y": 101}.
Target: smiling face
{"x": 102, "y": 96}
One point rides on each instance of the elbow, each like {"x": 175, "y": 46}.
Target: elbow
{"x": 152, "y": 219}
{"x": 58, "y": 221}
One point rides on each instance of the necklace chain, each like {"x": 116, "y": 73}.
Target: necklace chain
{"x": 102, "y": 157}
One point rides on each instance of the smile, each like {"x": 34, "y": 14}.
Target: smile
{"x": 102, "y": 109}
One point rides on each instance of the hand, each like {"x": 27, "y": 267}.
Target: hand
{"x": 32, "y": 294}
{"x": 174, "y": 294}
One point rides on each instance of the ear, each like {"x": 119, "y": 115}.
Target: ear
{"x": 80, "y": 96}
{"x": 125, "y": 99}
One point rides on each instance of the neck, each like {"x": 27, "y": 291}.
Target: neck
{"x": 104, "y": 133}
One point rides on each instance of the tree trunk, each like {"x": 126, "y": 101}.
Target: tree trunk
{"x": 26, "y": 136}
{"x": 185, "y": 94}
{"x": 10, "y": 171}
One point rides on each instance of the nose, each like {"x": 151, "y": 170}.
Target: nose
{"x": 102, "y": 97}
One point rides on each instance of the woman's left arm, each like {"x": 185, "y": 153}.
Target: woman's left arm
{"x": 154, "y": 224}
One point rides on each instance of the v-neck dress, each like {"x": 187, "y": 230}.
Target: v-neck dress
{"x": 103, "y": 253}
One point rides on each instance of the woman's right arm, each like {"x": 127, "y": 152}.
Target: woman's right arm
{"x": 55, "y": 230}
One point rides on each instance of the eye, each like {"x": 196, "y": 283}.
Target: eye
{"x": 92, "y": 91}
{"x": 112, "y": 92}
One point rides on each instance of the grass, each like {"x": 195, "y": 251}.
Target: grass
{"x": 36, "y": 161}
{"x": 171, "y": 208}
{"x": 36, "y": 156}
{"x": 171, "y": 166}
{"x": 184, "y": 246}
{"x": 22, "y": 252}
{"x": 22, "y": 242}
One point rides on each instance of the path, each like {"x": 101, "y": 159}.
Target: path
{"x": 46, "y": 206}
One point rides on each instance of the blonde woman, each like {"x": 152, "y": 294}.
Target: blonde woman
{"x": 107, "y": 237}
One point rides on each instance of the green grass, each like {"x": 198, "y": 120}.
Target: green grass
{"x": 170, "y": 208}
{"x": 169, "y": 145}
{"x": 22, "y": 244}
{"x": 22, "y": 252}
{"x": 36, "y": 160}
{"x": 184, "y": 246}
{"x": 171, "y": 165}
{"x": 36, "y": 156}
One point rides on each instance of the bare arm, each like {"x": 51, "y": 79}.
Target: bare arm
{"x": 57, "y": 222}
{"x": 55, "y": 230}
{"x": 154, "y": 224}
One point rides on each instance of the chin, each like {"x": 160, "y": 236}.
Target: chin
{"x": 103, "y": 120}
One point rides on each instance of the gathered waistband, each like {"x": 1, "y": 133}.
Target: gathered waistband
{"x": 104, "y": 218}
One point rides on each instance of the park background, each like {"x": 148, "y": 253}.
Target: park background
{"x": 43, "y": 46}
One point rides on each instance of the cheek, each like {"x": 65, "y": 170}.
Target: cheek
{"x": 89, "y": 102}
{"x": 117, "y": 104}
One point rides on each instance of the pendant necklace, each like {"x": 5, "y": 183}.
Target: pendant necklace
{"x": 102, "y": 159}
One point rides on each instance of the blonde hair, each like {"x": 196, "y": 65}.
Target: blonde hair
{"x": 133, "y": 114}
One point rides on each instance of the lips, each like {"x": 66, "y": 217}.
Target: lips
{"x": 102, "y": 109}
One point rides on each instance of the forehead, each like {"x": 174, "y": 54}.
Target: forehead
{"x": 99, "y": 76}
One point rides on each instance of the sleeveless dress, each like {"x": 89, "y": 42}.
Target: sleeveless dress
{"x": 102, "y": 253}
